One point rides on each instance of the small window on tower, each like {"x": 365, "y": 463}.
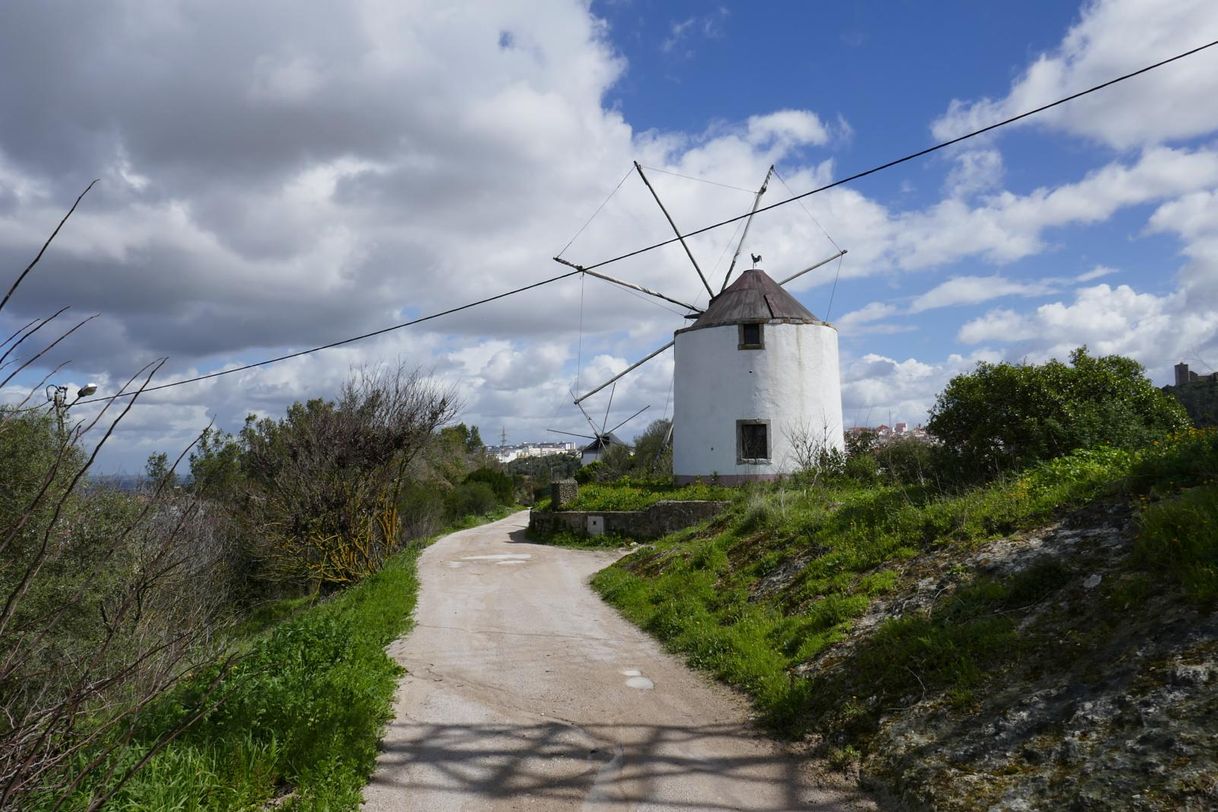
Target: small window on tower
{"x": 751, "y": 337}
{"x": 752, "y": 442}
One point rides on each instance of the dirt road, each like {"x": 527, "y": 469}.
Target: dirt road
{"x": 525, "y": 691}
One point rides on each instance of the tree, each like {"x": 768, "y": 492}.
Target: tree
{"x": 158, "y": 472}
{"x": 322, "y": 486}
{"x": 653, "y": 450}
{"x": 1003, "y": 417}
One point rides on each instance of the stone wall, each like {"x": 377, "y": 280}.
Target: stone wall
{"x": 658, "y": 520}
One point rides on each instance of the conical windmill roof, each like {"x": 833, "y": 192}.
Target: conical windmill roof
{"x": 754, "y": 297}
{"x": 604, "y": 441}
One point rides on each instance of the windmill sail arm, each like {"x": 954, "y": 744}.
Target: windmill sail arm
{"x": 628, "y": 419}
{"x": 623, "y": 283}
{"x": 675, "y": 230}
{"x": 642, "y": 289}
{"x": 623, "y": 373}
{"x": 740, "y": 245}
{"x": 572, "y": 434}
{"x": 811, "y": 268}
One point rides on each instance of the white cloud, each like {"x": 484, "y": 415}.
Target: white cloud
{"x": 963, "y": 290}
{"x": 708, "y": 26}
{"x": 879, "y": 389}
{"x": 1156, "y": 330}
{"x": 795, "y": 127}
{"x": 976, "y": 171}
{"x": 1111, "y": 38}
{"x": 1097, "y": 272}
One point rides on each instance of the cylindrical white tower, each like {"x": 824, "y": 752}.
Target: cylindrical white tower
{"x": 756, "y": 389}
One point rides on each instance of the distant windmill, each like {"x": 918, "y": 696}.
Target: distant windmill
{"x": 601, "y": 438}
{"x": 756, "y": 379}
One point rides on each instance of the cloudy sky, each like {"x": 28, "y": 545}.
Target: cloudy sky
{"x": 277, "y": 175}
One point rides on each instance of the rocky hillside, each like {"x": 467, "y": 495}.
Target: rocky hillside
{"x": 1109, "y": 700}
{"x": 1047, "y": 642}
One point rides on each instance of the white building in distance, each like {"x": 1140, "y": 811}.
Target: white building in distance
{"x": 507, "y": 453}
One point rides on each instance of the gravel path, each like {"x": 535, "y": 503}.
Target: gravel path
{"x": 525, "y": 691}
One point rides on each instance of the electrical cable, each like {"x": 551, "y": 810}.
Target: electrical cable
{"x": 911, "y": 156}
{"x": 848, "y": 179}
{"x": 806, "y": 210}
{"x": 334, "y": 344}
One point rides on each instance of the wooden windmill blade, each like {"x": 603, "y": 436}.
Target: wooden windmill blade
{"x": 623, "y": 373}
{"x": 756, "y": 202}
{"x": 584, "y": 412}
{"x": 628, "y": 419}
{"x": 631, "y": 285}
{"x": 681, "y": 237}
{"x": 572, "y": 434}
{"x": 811, "y": 268}
{"x": 605, "y": 422}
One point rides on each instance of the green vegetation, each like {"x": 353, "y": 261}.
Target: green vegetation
{"x": 1200, "y": 400}
{"x": 289, "y": 551}
{"x": 628, "y": 494}
{"x": 1179, "y": 536}
{"x": 785, "y": 573}
{"x": 300, "y": 713}
{"x": 1002, "y": 418}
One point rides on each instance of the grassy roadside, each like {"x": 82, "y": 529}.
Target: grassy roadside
{"x": 297, "y": 719}
{"x": 779, "y": 579}
{"x": 637, "y": 495}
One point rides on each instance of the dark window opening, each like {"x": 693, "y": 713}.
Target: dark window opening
{"x": 752, "y": 441}
{"x": 751, "y": 337}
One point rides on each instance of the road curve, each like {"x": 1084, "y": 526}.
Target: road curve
{"x": 525, "y": 691}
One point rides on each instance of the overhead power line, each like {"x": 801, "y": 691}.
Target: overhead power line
{"x": 679, "y": 237}
{"x": 909, "y": 157}
{"x": 334, "y": 344}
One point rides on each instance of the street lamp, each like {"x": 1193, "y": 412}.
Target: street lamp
{"x": 57, "y": 396}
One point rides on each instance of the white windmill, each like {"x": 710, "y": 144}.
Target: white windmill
{"x": 601, "y": 439}
{"x": 757, "y": 386}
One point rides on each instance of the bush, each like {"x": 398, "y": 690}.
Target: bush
{"x": 1180, "y": 536}
{"x": 319, "y": 488}
{"x": 1005, "y": 417}
{"x": 592, "y": 472}
{"x": 470, "y": 499}
{"x": 502, "y": 484}
{"x": 907, "y": 461}
{"x": 301, "y": 712}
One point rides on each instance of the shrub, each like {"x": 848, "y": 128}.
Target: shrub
{"x": 320, "y": 487}
{"x": 502, "y": 484}
{"x": 592, "y": 472}
{"x": 470, "y": 499}
{"x": 907, "y": 461}
{"x": 1180, "y": 536}
{"x": 1004, "y": 417}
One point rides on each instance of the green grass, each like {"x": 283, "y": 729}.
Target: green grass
{"x": 301, "y": 712}
{"x": 580, "y": 541}
{"x": 632, "y": 495}
{"x": 786, "y": 571}
{"x": 299, "y": 715}
{"x": 1179, "y": 536}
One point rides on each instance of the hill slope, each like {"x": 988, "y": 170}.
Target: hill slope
{"x": 1044, "y": 642}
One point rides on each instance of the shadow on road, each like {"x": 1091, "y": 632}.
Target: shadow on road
{"x": 554, "y": 763}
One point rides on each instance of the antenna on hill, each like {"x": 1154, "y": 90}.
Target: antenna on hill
{"x": 503, "y": 435}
